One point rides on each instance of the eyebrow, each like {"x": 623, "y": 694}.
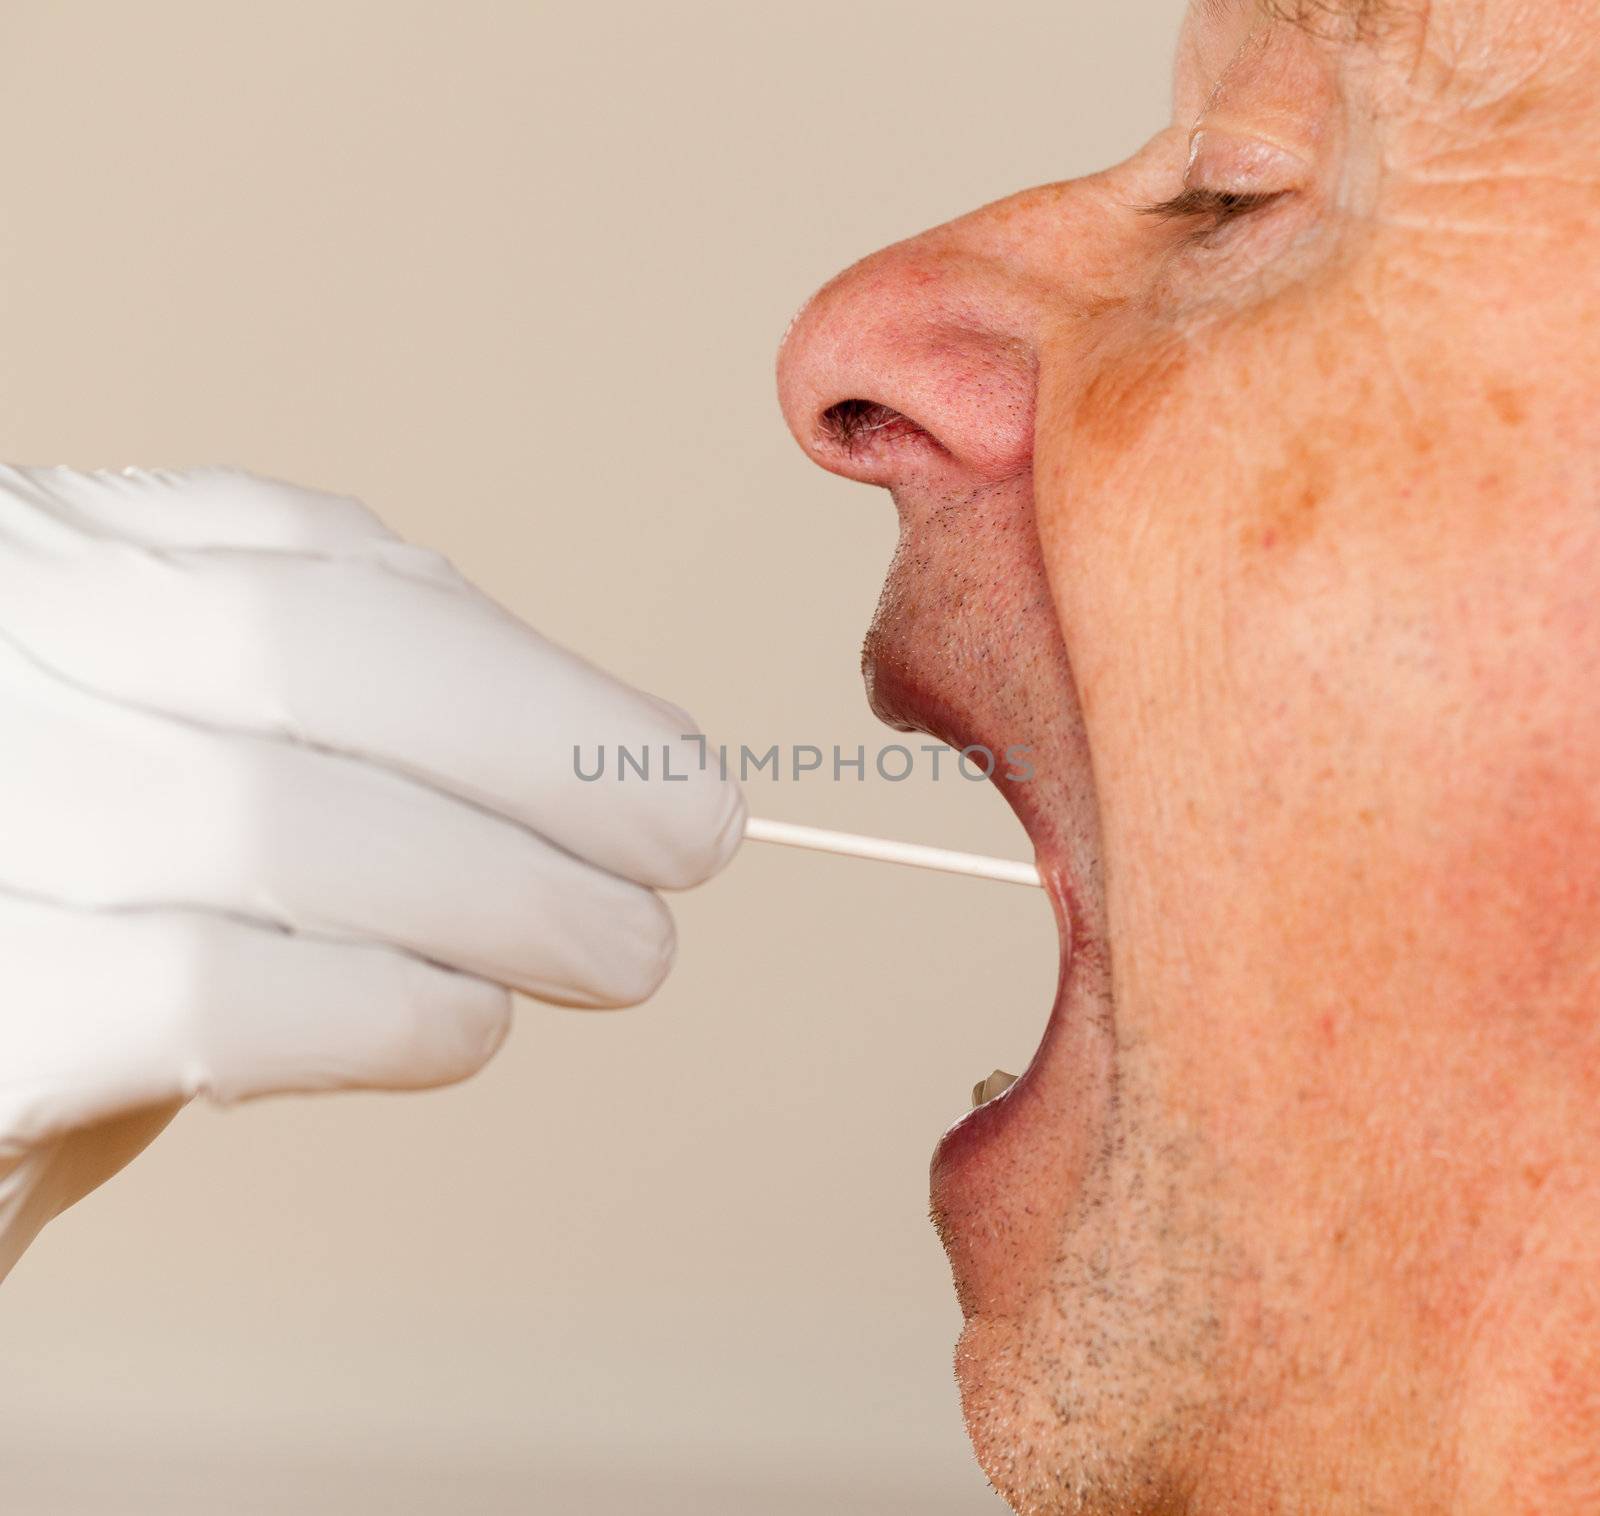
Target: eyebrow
{"x": 1328, "y": 19}
{"x": 1298, "y": 12}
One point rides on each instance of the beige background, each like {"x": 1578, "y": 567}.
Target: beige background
{"x": 515, "y": 273}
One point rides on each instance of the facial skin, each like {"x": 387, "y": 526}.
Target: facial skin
{"x": 1278, "y": 537}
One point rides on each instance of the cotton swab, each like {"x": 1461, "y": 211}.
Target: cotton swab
{"x": 852, "y": 845}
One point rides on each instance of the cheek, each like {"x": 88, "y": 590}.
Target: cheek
{"x": 1325, "y": 722}
{"x": 1204, "y": 502}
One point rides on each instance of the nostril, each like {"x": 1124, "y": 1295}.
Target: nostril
{"x": 852, "y": 426}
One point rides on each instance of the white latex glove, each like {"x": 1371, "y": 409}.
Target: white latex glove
{"x": 287, "y": 805}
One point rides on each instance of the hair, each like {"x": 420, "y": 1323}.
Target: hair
{"x": 1361, "y": 18}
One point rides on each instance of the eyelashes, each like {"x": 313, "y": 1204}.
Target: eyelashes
{"x": 1210, "y": 209}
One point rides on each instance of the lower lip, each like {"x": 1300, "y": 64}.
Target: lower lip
{"x": 1004, "y": 1176}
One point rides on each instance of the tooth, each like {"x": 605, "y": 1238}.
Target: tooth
{"x": 986, "y": 1089}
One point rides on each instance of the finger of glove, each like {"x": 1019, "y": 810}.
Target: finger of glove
{"x": 109, "y": 1012}
{"x": 103, "y": 805}
{"x": 189, "y": 508}
{"x": 432, "y": 680}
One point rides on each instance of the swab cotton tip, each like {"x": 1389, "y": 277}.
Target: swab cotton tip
{"x": 853, "y": 845}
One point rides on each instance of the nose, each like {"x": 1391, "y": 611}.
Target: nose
{"x": 920, "y": 361}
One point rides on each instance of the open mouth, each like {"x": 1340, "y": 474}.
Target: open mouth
{"x": 900, "y": 699}
{"x": 966, "y": 647}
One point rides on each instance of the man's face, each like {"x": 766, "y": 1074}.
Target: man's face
{"x": 1252, "y": 483}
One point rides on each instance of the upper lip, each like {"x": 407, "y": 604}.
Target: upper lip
{"x": 903, "y": 699}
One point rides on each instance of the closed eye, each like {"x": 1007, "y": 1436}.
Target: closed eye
{"x": 1215, "y": 208}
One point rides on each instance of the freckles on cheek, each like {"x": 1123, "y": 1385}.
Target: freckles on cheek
{"x": 1289, "y": 503}
{"x": 1122, "y": 401}
{"x": 1102, "y": 454}
{"x": 1308, "y": 478}
{"x": 1193, "y": 483}
{"x": 1140, "y": 459}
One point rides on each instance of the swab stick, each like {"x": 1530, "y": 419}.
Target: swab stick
{"x": 852, "y": 845}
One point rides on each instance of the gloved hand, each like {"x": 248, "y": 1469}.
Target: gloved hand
{"x": 287, "y": 805}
